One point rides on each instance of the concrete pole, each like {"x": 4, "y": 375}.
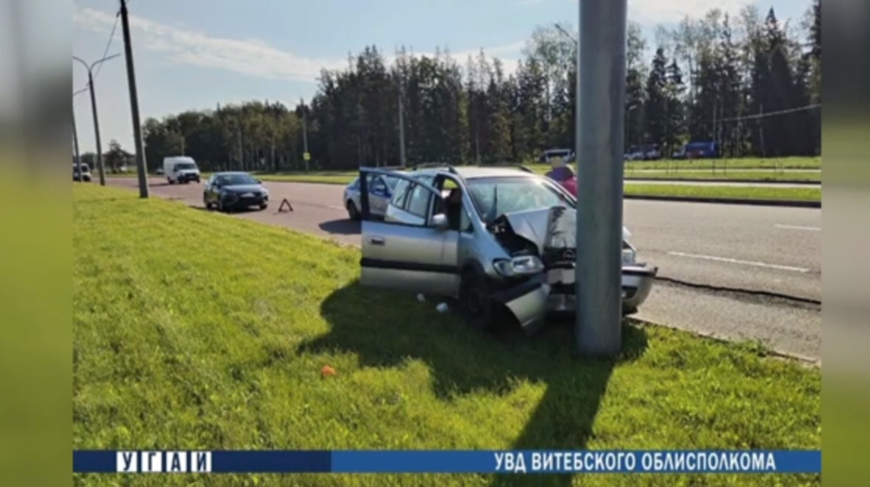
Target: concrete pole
{"x": 600, "y": 169}
{"x": 97, "y": 129}
{"x": 141, "y": 165}
{"x": 76, "y": 147}
{"x": 401, "y": 123}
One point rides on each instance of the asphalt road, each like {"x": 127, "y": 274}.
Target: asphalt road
{"x": 732, "y": 271}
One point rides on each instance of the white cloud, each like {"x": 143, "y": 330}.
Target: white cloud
{"x": 665, "y": 11}
{"x": 252, "y": 57}
{"x": 247, "y": 56}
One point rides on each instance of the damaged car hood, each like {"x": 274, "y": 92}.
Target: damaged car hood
{"x": 547, "y": 228}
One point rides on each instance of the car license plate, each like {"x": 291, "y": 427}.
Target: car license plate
{"x": 248, "y": 195}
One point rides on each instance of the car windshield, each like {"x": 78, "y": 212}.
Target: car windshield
{"x": 496, "y": 196}
{"x": 236, "y": 179}
{"x": 185, "y": 166}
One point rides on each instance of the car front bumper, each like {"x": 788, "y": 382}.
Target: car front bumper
{"x": 554, "y": 292}
{"x": 238, "y": 201}
{"x": 186, "y": 178}
{"x": 637, "y": 283}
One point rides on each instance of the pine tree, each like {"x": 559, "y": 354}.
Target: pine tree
{"x": 656, "y": 101}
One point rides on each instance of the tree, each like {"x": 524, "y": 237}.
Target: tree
{"x": 656, "y": 99}
{"x": 116, "y": 157}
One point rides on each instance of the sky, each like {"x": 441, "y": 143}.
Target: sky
{"x": 195, "y": 54}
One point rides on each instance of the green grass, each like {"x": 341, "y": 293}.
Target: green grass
{"x": 724, "y": 192}
{"x": 677, "y": 190}
{"x": 732, "y": 175}
{"x": 742, "y": 163}
{"x": 214, "y": 337}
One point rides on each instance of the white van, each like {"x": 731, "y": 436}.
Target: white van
{"x": 180, "y": 169}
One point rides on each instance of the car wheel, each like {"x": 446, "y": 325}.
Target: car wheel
{"x": 475, "y": 303}
{"x": 352, "y": 212}
{"x": 220, "y": 206}
{"x": 208, "y": 205}
{"x": 170, "y": 181}
{"x": 264, "y": 206}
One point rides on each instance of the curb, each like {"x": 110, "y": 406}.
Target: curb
{"x": 769, "y": 352}
{"x": 802, "y": 182}
{"x": 728, "y": 201}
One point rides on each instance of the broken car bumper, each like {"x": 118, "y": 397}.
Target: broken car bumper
{"x": 554, "y": 291}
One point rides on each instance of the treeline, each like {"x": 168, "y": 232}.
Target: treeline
{"x": 749, "y": 82}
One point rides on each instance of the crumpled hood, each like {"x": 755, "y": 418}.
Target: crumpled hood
{"x": 547, "y": 228}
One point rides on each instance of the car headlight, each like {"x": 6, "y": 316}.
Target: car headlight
{"x": 628, "y": 256}
{"x": 518, "y": 266}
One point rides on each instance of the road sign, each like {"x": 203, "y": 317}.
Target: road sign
{"x": 306, "y": 156}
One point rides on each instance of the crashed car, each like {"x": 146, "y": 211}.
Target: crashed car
{"x": 492, "y": 238}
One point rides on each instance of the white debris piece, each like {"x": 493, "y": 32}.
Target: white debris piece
{"x": 421, "y": 298}
{"x": 442, "y": 308}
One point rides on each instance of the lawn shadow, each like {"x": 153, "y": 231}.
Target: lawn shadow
{"x": 341, "y": 227}
{"x": 385, "y": 330}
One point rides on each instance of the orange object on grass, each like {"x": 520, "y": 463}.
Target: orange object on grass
{"x": 327, "y": 370}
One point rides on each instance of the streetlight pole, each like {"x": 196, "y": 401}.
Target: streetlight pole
{"x": 90, "y": 69}
{"x": 76, "y": 137}
{"x": 600, "y": 170}
{"x": 402, "y": 122}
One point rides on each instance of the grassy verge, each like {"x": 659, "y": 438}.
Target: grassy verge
{"x": 738, "y": 175}
{"x": 725, "y": 192}
{"x": 678, "y": 190}
{"x": 742, "y": 163}
{"x": 215, "y": 337}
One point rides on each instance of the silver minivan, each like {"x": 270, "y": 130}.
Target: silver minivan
{"x": 493, "y": 238}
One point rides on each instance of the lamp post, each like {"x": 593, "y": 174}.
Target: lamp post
{"x": 90, "y": 69}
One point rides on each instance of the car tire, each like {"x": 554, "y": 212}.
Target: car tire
{"x": 208, "y": 206}
{"x": 263, "y": 206}
{"x": 220, "y": 206}
{"x": 475, "y": 304}
{"x": 170, "y": 181}
{"x": 352, "y": 211}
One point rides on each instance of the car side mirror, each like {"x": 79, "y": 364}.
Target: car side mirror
{"x": 440, "y": 222}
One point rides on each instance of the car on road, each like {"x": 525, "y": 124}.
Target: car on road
{"x": 380, "y": 188}
{"x": 551, "y": 154}
{"x": 494, "y": 239}
{"x": 180, "y": 169}
{"x": 86, "y": 173}
{"x": 644, "y": 153}
{"x": 228, "y": 191}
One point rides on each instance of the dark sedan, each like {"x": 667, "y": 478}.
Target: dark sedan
{"x": 228, "y": 191}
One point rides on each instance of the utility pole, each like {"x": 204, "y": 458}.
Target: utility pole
{"x": 401, "y": 123}
{"x": 76, "y": 147}
{"x": 600, "y": 170}
{"x": 134, "y": 105}
{"x": 305, "y": 132}
{"x": 241, "y": 153}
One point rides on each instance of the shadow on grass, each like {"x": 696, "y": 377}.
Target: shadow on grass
{"x": 341, "y": 227}
{"x": 384, "y": 331}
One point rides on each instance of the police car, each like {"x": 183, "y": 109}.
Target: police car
{"x": 380, "y": 189}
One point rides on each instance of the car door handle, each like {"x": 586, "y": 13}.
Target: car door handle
{"x": 377, "y": 240}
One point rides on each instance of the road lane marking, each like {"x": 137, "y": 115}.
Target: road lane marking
{"x": 740, "y": 262}
{"x": 797, "y": 227}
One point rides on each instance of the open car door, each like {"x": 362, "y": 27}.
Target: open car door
{"x": 405, "y": 250}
